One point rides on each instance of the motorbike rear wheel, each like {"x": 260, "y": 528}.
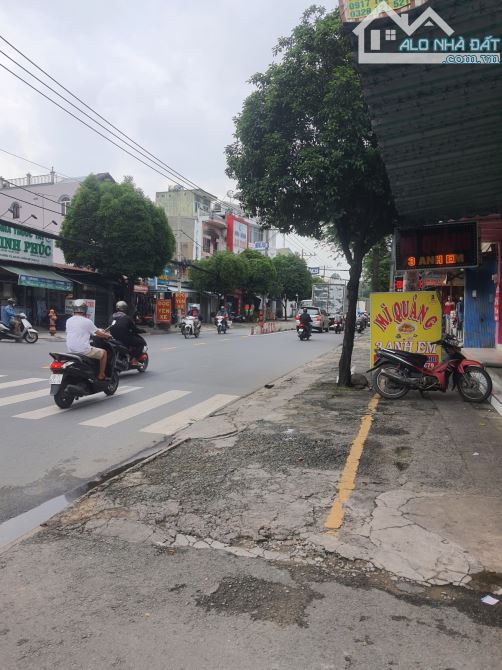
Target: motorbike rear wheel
{"x": 113, "y": 385}
{"x": 475, "y": 385}
{"x": 386, "y": 387}
{"x": 144, "y": 364}
{"x": 63, "y": 399}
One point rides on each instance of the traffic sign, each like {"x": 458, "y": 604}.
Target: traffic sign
{"x": 315, "y": 271}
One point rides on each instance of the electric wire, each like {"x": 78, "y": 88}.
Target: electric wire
{"x": 32, "y": 204}
{"x": 22, "y": 158}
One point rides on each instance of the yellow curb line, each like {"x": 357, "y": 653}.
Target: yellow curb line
{"x": 348, "y": 479}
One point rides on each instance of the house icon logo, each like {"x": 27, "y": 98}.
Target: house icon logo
{"x": 428, "y": 39}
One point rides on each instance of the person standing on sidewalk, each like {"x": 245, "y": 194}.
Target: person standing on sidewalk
{"x": 448, "y": 307}
{"x": 53, "y": 317}
{"x": 459, "y": 308}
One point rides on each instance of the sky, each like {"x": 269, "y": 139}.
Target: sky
{"x": 172, "y": 74}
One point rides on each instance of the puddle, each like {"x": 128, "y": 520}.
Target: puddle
{"x": 14, "y": 528}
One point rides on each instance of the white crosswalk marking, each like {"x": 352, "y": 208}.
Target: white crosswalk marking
{"x": 44, "y": 412}
{"x": 111, "y": 418}
{"x": 21, "y": 397}
{"x": 21, "y": 382}
{"x": 172, "y": 424}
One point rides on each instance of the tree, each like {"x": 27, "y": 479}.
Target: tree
{"x": 128, "y": 236}
{"x": 293, "y": 280}
{"x": 260, "y": 274}
{"x": 305, "y": 156}
{"x": 221, "y": 273}
{"x": 376, "y": 268}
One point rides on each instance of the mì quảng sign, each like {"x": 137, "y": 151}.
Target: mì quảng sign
{"x": 406, "y": 322}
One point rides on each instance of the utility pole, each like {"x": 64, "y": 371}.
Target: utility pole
{"x": 178, "y": 258}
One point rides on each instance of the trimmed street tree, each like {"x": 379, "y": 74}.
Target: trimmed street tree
{"x": 128, "y": 235}
{"x": 376, "y": 268}
{"x": 221, "y": 273}
{"x": 305, "y": 156}
{"x": 260, "y": 274}
{"x": 293, "y": 280}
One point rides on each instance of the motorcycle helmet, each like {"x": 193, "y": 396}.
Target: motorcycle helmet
{"x": 11, "y": 301}
{"x": 79, "y": 307}
{"x": 121, "y": 306}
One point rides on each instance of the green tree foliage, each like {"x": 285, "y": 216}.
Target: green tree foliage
{"x": 260, "y": 274}
{"x": 305, "y": 156}
{"x": 127, "y": 234}
{"x": 221, "y": 273}
{"x": 376, "y": 268}
{"x": 293, "y": 279}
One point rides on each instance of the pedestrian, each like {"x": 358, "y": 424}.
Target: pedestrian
{"x": 460, "y": 316}
{"x": 448, "y": 307}
{"x": 53, "y": 317}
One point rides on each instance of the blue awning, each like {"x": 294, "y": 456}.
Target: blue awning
{"x": 40, "y": 278}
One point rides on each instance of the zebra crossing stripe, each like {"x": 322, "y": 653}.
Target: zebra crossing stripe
{"x": 111, "y": 418}
{"x": 44, "y": 412}
{"x": 172, "y": 424}
{"x": 22, "y": 382}
{"x": 21, "y": 397}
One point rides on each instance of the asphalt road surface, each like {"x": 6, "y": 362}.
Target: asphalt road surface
{"x": 47, "y": 452}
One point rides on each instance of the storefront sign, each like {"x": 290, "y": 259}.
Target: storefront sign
{"x": 45, "y": 282}
{"x": 163, "y": 311}
{"x": 19, "y": 245}
{"x": 140, "y": 288}
{"x": 91, "y": 307}
{"x": 357, "y": 10}
{"x": 406, "y": 322}
{"x": 448, "y": 246}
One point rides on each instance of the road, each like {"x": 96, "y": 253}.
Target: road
{"x": 47, "y": 452}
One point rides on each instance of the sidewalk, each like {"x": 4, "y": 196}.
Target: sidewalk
{"x": 215, "y": 552}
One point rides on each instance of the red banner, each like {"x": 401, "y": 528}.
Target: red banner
{"x": 163, "y": 311}
{"x": 180, "y": 299}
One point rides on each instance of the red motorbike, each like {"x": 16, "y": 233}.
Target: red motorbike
{"x": 397, "y": 372}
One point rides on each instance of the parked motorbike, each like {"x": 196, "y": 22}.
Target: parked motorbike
{"x": 221, "y": 325}
{"x": 397, "y": 372}
{"x": 189, "y": 326}
{"x": 75, "y": 375}
{"x": 26, "y": 331}
{"x": 303, "y": 332}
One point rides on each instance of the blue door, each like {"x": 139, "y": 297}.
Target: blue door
{"x": 479, "y": 326}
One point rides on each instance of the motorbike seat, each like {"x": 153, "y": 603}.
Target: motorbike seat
{"x": 419, "y": 360}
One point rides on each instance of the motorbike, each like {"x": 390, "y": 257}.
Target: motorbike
{"x": 26, "y": 331}
{"x": 125, "y": 355}
{"x": 303, "y": 332}
{"x": 338, "y": 324}
{"x": 397, "y": 372}
{"x": 74, "y": 375}
{"x": 360, "y": 324}
{"x": 189, "y": 326}
{"x": 221, "y": 325}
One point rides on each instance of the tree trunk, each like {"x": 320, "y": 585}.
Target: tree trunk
{"x": 285, "y": 305}
{"x": 344, "y": 373}
{"x": 376, "y": 256}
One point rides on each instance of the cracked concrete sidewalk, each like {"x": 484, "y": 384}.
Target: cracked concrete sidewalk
{"x": 258, "y": 479}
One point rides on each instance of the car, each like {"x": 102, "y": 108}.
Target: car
{"x": 320, "y": 318}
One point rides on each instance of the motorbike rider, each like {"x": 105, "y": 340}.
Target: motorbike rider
{"x": 9, "y": 316}
{"x": 306, "y": 319}
{"x": 223, "y": 313}
{"x": 126, "y": 331}
{"x": 79, "y": 330}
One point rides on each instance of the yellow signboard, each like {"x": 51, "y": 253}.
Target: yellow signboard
{"x": 357, "y": 10}
{"x": 408, "y": 322}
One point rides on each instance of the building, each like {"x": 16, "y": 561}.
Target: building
{"x": 32, "y": 268}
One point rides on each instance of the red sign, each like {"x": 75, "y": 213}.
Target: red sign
{"x": 163, "y": 311}
{"x": 398, "y": 284}
{"x": 180, "y": 300}
{"x": 140, "y": 288}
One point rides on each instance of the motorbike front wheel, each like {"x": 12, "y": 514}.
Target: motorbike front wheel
{"x": 475, "y": 385}
{"x": 144, "y": 364}
{"x": 185, "y": 332}
{"x": 31, "y": 338}
{"x": 386, "y": 387}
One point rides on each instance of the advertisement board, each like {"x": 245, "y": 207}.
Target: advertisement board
{"x": 353, "y": 11}
{"x": 408, "y": 322}
{"x": 240, "y": 237}
{"x": 163, "y": 311}
{"x": 19, "y": 245}
{"x": 91, "y": 307}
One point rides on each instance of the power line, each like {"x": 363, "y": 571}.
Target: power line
{"x": 23, "y": 188}
{"x": 33, "y": 163}
{"x": 155, "y": 160}
{"x": 32, "y": 204}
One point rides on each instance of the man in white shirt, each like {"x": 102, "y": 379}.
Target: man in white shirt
{"x": 79, "y": 330}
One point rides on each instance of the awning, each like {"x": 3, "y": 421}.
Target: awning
{"x": 39, "y": 278}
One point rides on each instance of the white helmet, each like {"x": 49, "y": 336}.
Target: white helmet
{"x": 79, "y": 307}
{"x": 121, "y": 306}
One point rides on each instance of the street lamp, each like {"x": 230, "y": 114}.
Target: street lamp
{"x": 54, "y": 223}
{"x": 11, "y": 210}
{"x": 31, "y": 216}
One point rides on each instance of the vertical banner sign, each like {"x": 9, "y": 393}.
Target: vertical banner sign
{"x": 406, "y": 322}
{"x": 181, "y": 301}
{"x": 163, "y": 311}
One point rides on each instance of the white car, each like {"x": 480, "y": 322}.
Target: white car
{"x": 320, "y": 318}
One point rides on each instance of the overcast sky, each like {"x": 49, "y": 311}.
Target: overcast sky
{"x": 169, "y": 73}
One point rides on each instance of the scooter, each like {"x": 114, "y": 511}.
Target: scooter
{"x": 397, "y": 372}
{"x": 75, "y": 375}
{"x": 190, "y": 327}
{"x": 360, "y": 324}
{"x": 221, "y": 325}
{"x": 303, "y": 332}
{"x": 26, "y": 331}
{"x": 125, "y": 355}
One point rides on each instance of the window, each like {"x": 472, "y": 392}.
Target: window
{"x": 391, "y": 35}
{"x": 65, "y": 202}
{"x": 15, "y": 209}
{"x": 206, "y": 245}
